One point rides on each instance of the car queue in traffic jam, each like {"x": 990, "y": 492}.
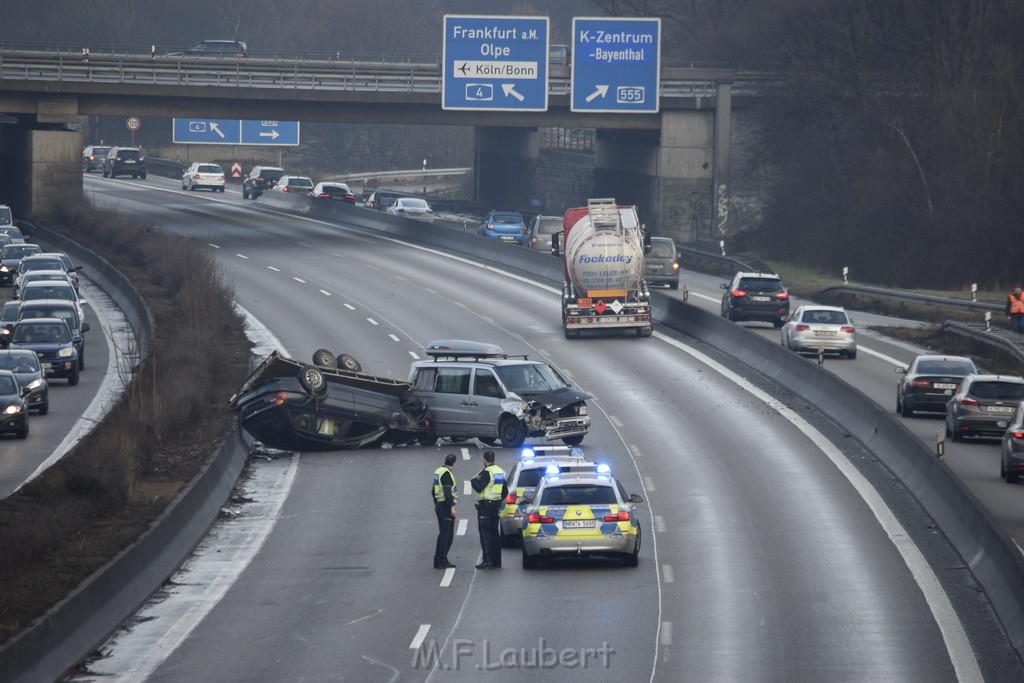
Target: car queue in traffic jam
{"x": 41, "y": 330}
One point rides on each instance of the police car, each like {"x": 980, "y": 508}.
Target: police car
{"x": 581, "y": 515}
{"x": 534, "y": 462}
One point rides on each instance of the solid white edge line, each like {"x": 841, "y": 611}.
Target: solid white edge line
{"x": 419, "y": 637}
{"x": 953, "y": 635}
{"x": 446, "y": 580}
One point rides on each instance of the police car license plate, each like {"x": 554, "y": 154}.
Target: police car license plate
{"x": 578, "y": 523}
{"x": 944, "y": 386}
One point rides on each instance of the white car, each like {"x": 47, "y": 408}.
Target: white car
{"x": 412, "y": 207}
{"x": 825, "y": 327}
{"x": 201, "y": 174}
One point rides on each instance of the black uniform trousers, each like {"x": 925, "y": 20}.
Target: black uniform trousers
{"x": 490, "y": 540}
{"x": 445, "y": 532}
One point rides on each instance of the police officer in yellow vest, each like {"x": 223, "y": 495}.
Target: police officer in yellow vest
{"x": 490, "y": 489}
{"x": 445, "y": 496}
{"x": 1015, "y": 310}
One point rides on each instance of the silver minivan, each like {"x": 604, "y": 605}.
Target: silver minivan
{"x": 476, "y": 390}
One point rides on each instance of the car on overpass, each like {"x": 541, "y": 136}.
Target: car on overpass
{"x": 223, "y": 49}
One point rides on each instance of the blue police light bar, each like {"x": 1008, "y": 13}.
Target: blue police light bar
{"x": 526, "y": 453}
{"x": 604, "y": 468}
{"x": 551, "y": 469}
{"x": 576, "y": 453}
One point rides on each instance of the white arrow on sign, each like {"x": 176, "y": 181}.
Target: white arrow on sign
{"x": 215, "y": 127}
{"x": 601, "y": 91}
{"x": 510, "y": 89}
{"x": 273, "y": 135}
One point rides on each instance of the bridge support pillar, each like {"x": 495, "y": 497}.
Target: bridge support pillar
{"x": 504, "y": 165}
{"x": 38, "y": 168}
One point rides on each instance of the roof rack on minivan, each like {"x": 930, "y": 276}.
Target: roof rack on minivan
{"x": 459, "y": 349}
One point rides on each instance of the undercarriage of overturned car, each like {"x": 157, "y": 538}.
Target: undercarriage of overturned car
{"x": 330, "y": 405}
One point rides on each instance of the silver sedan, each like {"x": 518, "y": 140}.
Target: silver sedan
{"x": 828, "y": 328}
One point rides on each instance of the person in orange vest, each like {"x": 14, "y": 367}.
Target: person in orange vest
{"x": 1015, "y": 310}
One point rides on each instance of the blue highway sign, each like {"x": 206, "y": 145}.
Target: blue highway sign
{"x": 616, "y": 65}
{"x": 495, "y": 63}
{"x": 201, "y": 131}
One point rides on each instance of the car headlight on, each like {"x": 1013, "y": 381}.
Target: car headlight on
{"x": 4, "y": 269}
{"x": 12, "y": 409}
{"x": 34, "y": 384}
{"x": 582, "y": 410}
{"x": 65, "y": 352}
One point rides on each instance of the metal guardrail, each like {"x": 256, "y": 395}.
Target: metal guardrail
{"x": 355, "y": 75}
{"x": 947, "y": 302}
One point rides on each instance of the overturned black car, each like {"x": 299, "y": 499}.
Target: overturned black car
{"x": 330, "y": 405}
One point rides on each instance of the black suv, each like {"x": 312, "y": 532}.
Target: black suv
{"x": 259, "y": 180}
{"x": 124, "y": 161}
{"x": 755, "y": 296}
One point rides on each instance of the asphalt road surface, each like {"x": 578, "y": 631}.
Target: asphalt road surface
{"x": 775, "y": 548}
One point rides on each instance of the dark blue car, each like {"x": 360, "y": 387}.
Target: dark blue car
{"x": 51, "y": 340}
{"x": 506, "y": 226}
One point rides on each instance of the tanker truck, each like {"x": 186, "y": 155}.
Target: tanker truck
{"x": 602, "y": 247}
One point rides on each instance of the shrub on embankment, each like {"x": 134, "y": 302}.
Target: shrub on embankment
{"x": 77, "y": 515}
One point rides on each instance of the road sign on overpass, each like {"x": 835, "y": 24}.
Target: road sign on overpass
{"x": 201, "y": 131}
{"x": 495, "y": 63}
{"x": 616, "y": 65}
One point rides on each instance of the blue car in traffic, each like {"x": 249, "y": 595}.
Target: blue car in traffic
{"x": 506, "y": 226}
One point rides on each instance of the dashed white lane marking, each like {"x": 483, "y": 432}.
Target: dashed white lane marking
{"x": 666, "y": 633}
{"x": 394, "y": 338}
{"x": 325, "y": 292}
{"x": 649, "y": 483}
{"x": 446, "y": 580}
{"x": 211, "y": 244}
{"x": 349, "y": 307}
{"x": 299, "y": 279}
{"x": 276, "y": 270}
{"x": 413, "y": 354}
{"x": 372, "y": 321}
{"x": 465, "y": 453}
{"x": 961, "y": 654}
{"x": 635, "y": 450}
{"x": 242, "y": 256}
{"x": 615, "y": 421}
{"x": 462, "y": 526}
{"x": 881, "y": 356}
{"x": 666, "y": 573}
{"x": 420, "y": 637}
{"x": 659, "y": 523}
{"x": 466, "y": 488}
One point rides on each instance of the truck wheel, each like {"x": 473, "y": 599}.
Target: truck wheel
{"x": 571, "y": 334}
{"x": 512, "y": 432}
{"x": 573, "y": 440}
{"x": 322, "y": 358}
{"x": 644, "y": 331}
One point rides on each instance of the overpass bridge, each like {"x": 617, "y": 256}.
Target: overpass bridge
{"x": 657, "y": 161}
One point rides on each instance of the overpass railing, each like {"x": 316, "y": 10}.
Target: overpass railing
{"x": 328, "y": 73}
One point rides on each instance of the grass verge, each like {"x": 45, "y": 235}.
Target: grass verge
{"x": 101, "y": 496}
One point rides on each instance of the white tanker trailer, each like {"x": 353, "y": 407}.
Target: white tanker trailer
{"x": 603, "y": 257}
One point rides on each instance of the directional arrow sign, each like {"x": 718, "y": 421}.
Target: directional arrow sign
{"x": 201, "y": 131}
{"x": 616, "y": 65}
{"x": 495, "y": 63}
